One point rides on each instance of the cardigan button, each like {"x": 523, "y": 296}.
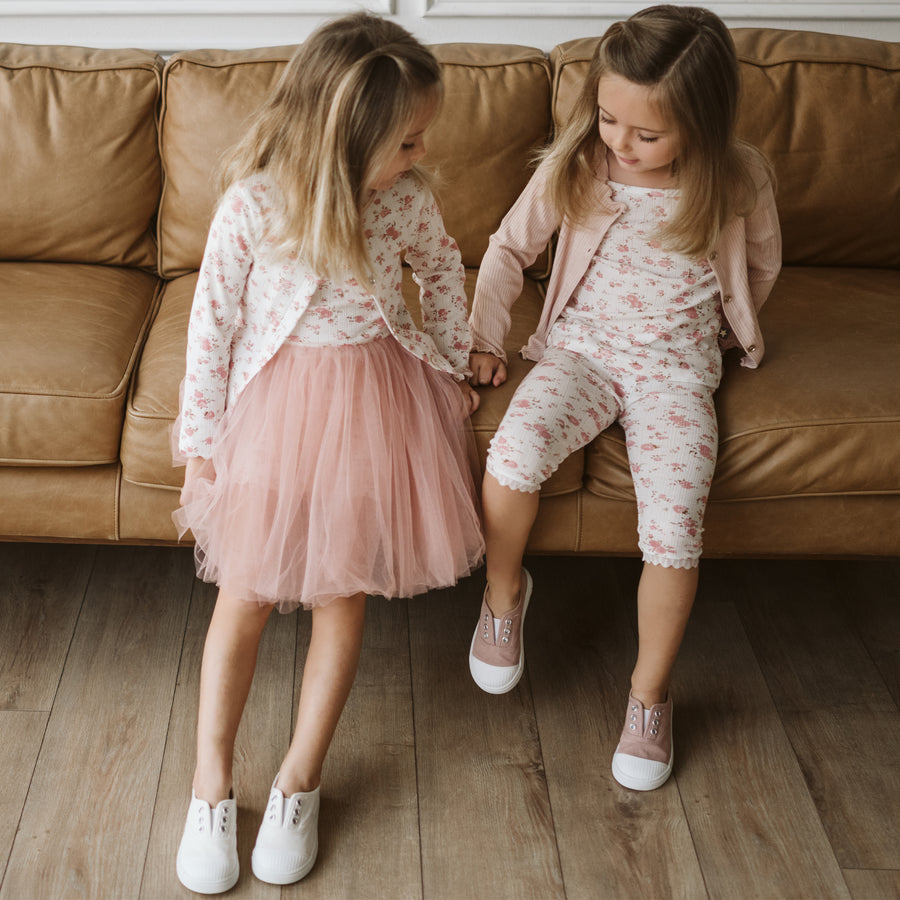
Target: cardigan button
{"x": 714, "y": 255}
{"x": 751, "y": 348}
{"x": 726, "y": 298}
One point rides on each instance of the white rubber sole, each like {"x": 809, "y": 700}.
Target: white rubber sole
{"x": 501, "y": 679}
{"x": 207, "y": 886}
{"x": 273, "y": 876}
{"x": 650, "y": 783}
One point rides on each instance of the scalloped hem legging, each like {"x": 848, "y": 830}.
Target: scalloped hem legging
{"x": 671, "y": 438}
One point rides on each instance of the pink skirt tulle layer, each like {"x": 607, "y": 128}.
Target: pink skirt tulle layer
{"x": 339, "y": 470}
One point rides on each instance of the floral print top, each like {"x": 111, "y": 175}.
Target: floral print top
{"x": 339, "y": 314}
{"x": 247, "y": 301}
{"x": 640, "y": 308}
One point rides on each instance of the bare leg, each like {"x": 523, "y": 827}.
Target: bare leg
{"x": 508, "y": 518}
{"x": 337, "y": 633}
{"x": 665, "y": 598}
{"x": 229, "y": 661}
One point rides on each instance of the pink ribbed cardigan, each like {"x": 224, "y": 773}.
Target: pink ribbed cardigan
{"x": 746, "y": 263}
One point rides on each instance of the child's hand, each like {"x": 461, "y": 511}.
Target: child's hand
{"x": 196, "y": 465}
{"x": 487, "y": 369}
{"x": 470, "y": 397}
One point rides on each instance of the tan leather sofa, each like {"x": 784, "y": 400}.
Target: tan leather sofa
{"x": 106, "y": 196}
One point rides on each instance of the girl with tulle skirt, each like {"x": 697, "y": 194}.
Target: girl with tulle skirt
{"x": 325, "y": 434}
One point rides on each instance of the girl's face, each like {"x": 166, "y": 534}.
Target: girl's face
{"x": 411, "y": 148}
{"x": 642, "y": 143}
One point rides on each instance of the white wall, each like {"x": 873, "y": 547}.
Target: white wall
{"x": 169, "y": 25}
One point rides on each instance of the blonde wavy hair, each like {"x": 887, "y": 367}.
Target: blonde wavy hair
{"x": 686, "y": 55}
{"x": 333, "y": 122}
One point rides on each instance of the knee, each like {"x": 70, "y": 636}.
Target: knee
{"x": 507, "y": 471}
{"x": 674, "y": 544}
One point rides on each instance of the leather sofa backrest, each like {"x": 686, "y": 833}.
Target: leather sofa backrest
{"x": 208, "y": 95}
{"x": 824, "y": 109}
{"x": 496, "y": 115}
{"x": 496, "y": 112}
{"x": 79, "y": 155}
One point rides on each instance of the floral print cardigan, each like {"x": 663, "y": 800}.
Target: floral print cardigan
{"x": 246, "y": 303}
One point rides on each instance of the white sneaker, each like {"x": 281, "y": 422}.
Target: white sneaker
{"x": 207, "y": 861}
{"x": 288, "y": 838}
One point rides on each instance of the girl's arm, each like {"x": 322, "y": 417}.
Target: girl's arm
{"x": 196, "y": 467}
{"x": 439, "y": 272}
{"x": 220, "y": 287}
{"x": 763, "y": 235}
{"x": 524, "y": 232}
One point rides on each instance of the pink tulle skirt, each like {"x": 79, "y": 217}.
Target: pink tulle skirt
{"x": 338, "y": 470}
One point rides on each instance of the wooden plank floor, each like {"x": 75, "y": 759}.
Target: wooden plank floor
{"x": 787, "y": 777}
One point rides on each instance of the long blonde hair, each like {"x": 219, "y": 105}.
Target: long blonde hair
{"x": 333, "y": 122}
{"x": 685, "y": 54}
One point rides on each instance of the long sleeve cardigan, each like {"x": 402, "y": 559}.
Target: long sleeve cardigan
{"x": 746, "y": 263}
{"x": 245, "y": 305}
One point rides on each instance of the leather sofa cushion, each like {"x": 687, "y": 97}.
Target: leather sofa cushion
{"x": 838, "y": 182}
{"x": 70, "y": 336}
{"x": 153, "y": 401}
{"x": 819, "y": 526}
{"x": 821, "y": 415}
{"x": 78, "y": 503}
{"x": 145, "y": 514}
{"x": 81, "y": 164}
{"x": 496, "y": 112}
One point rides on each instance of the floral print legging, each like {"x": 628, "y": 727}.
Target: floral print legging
{"x": 671, "y": 434}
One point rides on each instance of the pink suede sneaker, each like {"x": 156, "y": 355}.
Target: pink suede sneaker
{"x": 497, "y": 661}
{"x": 643, "y": 760}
